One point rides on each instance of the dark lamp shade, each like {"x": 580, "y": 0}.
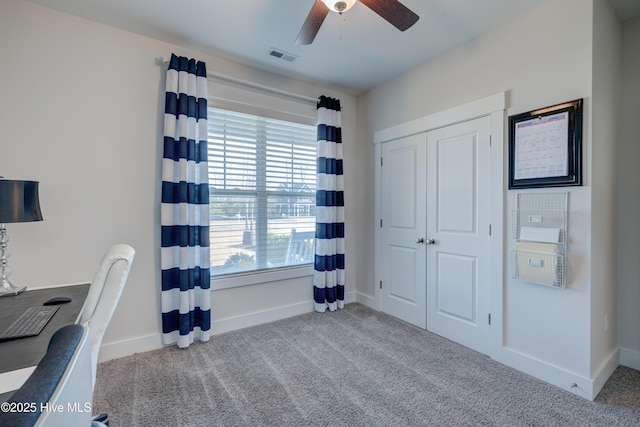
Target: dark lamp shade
{"x": 19, "y": 201}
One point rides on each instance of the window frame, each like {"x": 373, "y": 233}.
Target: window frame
{"x": 257, "y": 277}
{"x": 275, "y": 274}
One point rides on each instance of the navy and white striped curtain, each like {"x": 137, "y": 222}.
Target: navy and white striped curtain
{"x": 329, "y": 274}
{"x": 184, "y": 217}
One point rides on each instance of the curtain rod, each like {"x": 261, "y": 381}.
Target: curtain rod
{"x": 256, "y": 86}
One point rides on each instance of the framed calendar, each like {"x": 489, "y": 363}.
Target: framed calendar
{"x": 545, "y": 147}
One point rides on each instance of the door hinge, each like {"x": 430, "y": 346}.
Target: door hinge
{"x": 489, "y": 140}
{"x": 489, "y": 318}
{"x": 381, "y": 161}
{"x": 380, "y": 222}
{"x": 380, "y": 284}
{"x": 489, "y": 229}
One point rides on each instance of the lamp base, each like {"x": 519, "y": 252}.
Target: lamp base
{"x": 8, "y": 290}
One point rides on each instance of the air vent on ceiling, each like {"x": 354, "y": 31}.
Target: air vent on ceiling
{"x": 279, "y": 54}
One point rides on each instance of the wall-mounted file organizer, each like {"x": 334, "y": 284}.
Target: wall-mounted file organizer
{"x": 540, "y": 230}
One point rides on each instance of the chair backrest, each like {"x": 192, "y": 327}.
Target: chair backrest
{"x": 300, "y": 250}
{"x": 104, "y": 294}
{"x": 59, "y": 391}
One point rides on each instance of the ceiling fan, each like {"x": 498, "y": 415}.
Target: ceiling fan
{"x": 392, "y": 11}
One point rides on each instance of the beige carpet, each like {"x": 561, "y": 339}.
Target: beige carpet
{"x": 354, "y": 367}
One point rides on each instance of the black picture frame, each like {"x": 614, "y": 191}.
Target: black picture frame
{"x": 545, "y": 147}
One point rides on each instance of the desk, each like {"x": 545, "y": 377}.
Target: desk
{"x": 19, "y": 357}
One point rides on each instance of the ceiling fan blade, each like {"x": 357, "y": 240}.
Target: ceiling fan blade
{"x": 312, "y": 24}
{"x": 394, "y": 12}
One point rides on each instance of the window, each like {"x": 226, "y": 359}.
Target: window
{"x": 262, "y": 176}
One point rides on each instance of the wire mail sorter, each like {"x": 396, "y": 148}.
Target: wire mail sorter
{"x": 540, "y": 233}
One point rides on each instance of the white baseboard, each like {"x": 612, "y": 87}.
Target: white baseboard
{"x": 257, "y": 318}
{"x": 560, "y": 377}
{"x": 605, "y": 370}
{"x": 118, "y": 349}
{"x": 630, "y": 358}
{"x": 350, "y": 297}
{"x": 548, "y": 373}
{"x": 115, "y": 350}
{"x": 367, "y": 300}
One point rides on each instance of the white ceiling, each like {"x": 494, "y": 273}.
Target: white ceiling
{"x": 353, "y": 52}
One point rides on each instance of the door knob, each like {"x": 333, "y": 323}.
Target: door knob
{"x": 420, "y": 240}
{"x": 431, "y": 241}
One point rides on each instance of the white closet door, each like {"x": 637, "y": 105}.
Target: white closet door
{"x": 403, "y": 200}
{"x": 458, "y": 221}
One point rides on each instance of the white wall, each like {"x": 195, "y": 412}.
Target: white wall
{"x": 542, "y": 58}
{"x": 628, "y": 199}
{"x": 607, "y": 38}
{"x": 81, "y": 112}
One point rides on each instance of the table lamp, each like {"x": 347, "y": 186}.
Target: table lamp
{"x": 18, "y": 203}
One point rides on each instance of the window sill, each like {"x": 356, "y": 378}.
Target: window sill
{"x": 259, "y": 277}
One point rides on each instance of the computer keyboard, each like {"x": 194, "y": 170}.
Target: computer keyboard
{"x": 32, "y": 321}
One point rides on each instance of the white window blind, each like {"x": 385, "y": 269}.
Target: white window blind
{"x": 262, "y": 176}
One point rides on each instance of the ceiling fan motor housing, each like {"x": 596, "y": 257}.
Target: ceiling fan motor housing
{"x": 340, "y": 5}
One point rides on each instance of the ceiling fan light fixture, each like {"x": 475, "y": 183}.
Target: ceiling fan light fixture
{"x": 391, "y": 11}
{"x": 339, "y": 6}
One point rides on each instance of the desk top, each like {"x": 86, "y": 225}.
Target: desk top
{"x": 27, "y": 352}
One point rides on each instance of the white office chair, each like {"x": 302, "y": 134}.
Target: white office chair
{"x": 58, "y": 392}
{"x": 103, "y": 296}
